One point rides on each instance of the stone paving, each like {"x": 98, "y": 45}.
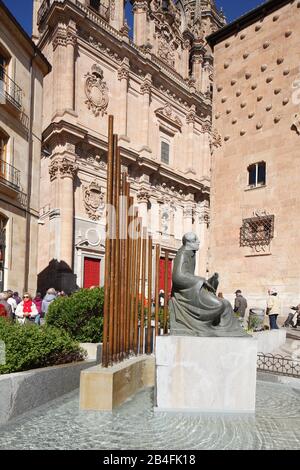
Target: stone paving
{"x": 61, "y": 425}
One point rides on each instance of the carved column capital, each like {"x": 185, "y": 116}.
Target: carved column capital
{"x": 63, "y": 167}
{"x": 143, "y": 196}
{"x": 123, "y": 70}
{"x": 60, "y": 37}
{"x": 140, "y": 5}
{"x": 188, "y": 211}
{"x": 191, "y": 115}
{"x": 203, "y": 211}
{"x": 146, "y": 86}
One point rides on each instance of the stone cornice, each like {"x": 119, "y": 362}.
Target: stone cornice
{"x": 55, "y": 130}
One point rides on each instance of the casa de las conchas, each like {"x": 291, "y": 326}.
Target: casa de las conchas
{"x": 157, "y": 83}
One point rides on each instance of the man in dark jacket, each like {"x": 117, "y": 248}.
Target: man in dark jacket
{"x": 240, "y": 304}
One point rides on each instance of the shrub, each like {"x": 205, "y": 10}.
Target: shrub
{"x": 31, "y": 347}
{"x": 81, "y": 314}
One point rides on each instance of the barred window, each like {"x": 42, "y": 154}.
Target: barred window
{"x": 165, "y": 152}
{"x": 257, "y": 174}
{"x": 257, "y": 231}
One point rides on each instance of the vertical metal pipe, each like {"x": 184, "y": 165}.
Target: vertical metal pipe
{"x": 117, "y": 175}
{"x": 157, "y": 260}
{"x": 137, "y": 289}
{"x": 129, "y": 278}
{"x": 113, "y": 259}
{"x": 105, "y": 352}
{"x": 143, "y": 286}
{"x": 166, "y": 289}
{"x": 123, "y": 272}
{"x": 149, "y": 315}
{"x": 133, "y": 278}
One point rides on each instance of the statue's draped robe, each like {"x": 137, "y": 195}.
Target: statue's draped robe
{"x": 195, "y": 310}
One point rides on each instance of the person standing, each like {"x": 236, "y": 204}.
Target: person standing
{"x": 5, "y": 310}
{"x": 273, "y": 308}
{"x": 48, "y": 299}
{"x": 26, "y": 309}
{"x": 12, "y": 302}
{"x": 240, "y": 304}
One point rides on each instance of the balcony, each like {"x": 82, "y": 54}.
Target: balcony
{"x": 9, "y": 179}
{"x": 10, "y": 92}
{"x": 95, "y": 6}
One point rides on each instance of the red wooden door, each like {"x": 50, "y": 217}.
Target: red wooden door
{"x": 162, "y": 275}
{"x": 91, "y": 276}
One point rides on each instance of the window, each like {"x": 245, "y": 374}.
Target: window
{"x": 165, "y": 152}
{"x": 257, "y": 174}
{"x": 95, "y": 4}
{"x": 257, "y": 231}
{"x": 3, "y": 147}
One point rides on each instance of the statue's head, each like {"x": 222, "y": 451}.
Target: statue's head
{"x": 191, "y": 241}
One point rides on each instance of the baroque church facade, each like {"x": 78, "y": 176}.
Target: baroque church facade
{"x": 158, "y": 86}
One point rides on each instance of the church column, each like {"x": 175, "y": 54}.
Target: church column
{"x": 116, "y": 18}
{"x": 69, "y": 75}
{"x": 59, "y": 64}
{"x": 143, "y": 200}
{"x": 68, "y": 169}
{"x": 123, "y": 76}
{"x": 188, "y": 216}
{"x": 140, "y": 32}
{"x": 206, "y": 72}
{"x": 202, "y": 218}
{"x": 197, "y": 70}
{"x": 206, "y": 146}
{"x": 185, "y": 58}
{"x": 146, "y": 93}
{"x": 190, "y": 122}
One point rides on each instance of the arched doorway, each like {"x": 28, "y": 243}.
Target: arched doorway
{"x": 3, "y": 222}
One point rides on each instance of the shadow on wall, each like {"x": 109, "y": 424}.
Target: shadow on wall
{"x": 59, "y": 275}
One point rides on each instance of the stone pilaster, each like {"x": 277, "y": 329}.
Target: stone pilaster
{"x": 63, "y": 169}
{"x": 146, "y": 94}
{"x": 188, "y": 216}
{"x": 143, "y": 199}
{"x": 206, "y": 149}
{"x": 123, "y": 77}
{"x": 116, "y": 18}
{"x": 190, "y": 122}
{"x": 140, "y": 32}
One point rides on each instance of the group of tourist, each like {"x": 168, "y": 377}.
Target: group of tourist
{"x": 27, "y": 308}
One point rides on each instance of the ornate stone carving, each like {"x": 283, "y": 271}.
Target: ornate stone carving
{"x": 143, "y": 195}
{"x": 146, "y": 85}
{"x": 204, "y": 212}
{"x": 296, "y": 123}
{"x": 63, "y": 167}
{"x": 67, "y": 167}
{"x": 96, "y": 91}
{"x": 188, "y": 211}
{"x": 167, "y": 113}
{"x": 191, "y": 115}
{"x": 60, "y": 38}
{"x": 215, "y": 140}
{"x": 93, "y": 199}
{"x": 123, "y": 71}
{"x": 166, "y": 47}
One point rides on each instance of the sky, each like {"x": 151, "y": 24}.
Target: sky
{"x": 22, "y": 10}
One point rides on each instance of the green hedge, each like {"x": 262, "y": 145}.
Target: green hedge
{"x": 81, "y": 315}
{"x": 31, "y": 347}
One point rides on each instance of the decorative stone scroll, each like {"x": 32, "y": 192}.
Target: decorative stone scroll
{"x": 96, "y": 91}
{"x": 93, "y": 199}
{"x": 166, "y": 113}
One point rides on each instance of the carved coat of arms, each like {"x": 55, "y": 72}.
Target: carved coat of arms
{"x": 96, "y": 91}
{"x": 93, "y": 199}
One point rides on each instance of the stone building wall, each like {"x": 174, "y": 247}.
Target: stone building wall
{"x": 21, "y": 99}
{"x": 256, "y": 114}
{"x": 98, "y": 70}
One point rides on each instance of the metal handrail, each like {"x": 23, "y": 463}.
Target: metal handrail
{"x": 9, "y": 89}
{"x": 10, "y": 175}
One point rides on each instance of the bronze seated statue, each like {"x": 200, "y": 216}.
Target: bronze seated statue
{"x": 195, "y": 310}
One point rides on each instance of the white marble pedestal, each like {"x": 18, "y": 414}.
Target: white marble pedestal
{"x": 205, "y": 374}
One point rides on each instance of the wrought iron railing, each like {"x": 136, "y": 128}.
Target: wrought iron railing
{"x": 101, "y": 9}
{"x": 9, "y": 89}
{"x": 9, "y": 175}
{"x": 43, "y": 10}
{"x": 278, "y": 364}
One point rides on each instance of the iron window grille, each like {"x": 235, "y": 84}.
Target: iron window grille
{"x": 257, "y": 231}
